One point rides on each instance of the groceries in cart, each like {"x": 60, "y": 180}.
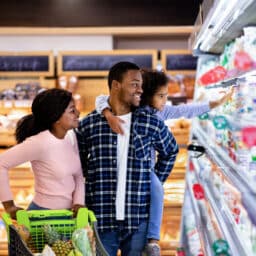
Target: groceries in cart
{"x": 53, "y": 233}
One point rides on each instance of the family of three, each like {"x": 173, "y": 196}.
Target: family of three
{"x": 106, "y": 161}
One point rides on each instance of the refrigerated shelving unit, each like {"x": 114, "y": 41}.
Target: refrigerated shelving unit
{"x": 219, "y": 193}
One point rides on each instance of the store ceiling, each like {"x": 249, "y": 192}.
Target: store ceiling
{"x": 80, "y": 13}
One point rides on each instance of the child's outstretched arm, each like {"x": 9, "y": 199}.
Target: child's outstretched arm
{"x": 102, "y": 107}
{"x": 192, "y": 109}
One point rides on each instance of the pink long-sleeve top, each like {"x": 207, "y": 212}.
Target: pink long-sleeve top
{"x": 59, "y": 181}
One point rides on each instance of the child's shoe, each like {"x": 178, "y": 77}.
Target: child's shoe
{"x": 153, "y": 249}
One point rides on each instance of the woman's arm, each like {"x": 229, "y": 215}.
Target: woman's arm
{"x": 21, "y": 153}
{"x": 79, "y": 193}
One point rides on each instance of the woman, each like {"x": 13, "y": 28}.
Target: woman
{"x": 42, "y": 140}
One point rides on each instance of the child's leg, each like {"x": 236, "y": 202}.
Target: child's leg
{"x": 156, "y": 208}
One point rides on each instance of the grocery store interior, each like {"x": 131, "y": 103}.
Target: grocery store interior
{"x": 206, "y": 47}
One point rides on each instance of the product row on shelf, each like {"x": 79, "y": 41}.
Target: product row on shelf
{"x": 222, "y": 221}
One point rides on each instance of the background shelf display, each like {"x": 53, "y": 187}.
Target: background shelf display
{"x": 22, "y": 187}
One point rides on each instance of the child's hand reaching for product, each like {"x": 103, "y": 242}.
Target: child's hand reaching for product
{"x": 226, "y": 97}
{"x": 114, "y": 122}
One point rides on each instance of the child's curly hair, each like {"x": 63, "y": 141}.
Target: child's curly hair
{"x": 152, "y": 81}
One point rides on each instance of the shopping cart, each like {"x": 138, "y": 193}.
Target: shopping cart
{"x": 61, "y": 220}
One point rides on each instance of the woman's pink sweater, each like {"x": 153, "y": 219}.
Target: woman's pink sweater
{"x": 59, "y": 181}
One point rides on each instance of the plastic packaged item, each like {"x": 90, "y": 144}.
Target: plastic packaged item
{"x": 252, "y": 164}
{"x": 221, "y": 247}
{"x": 198, "y": 191}
{"x": 242, "y": 61}
{"x": 214, "y": 75}
{"x": 249, "y": 136}
{"x": 226, "y": 56}
{"x": 180, "y": 251}
{"x": 250, "y": 41}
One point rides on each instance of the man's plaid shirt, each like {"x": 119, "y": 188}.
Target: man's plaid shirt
{"x": 98, "y": 151}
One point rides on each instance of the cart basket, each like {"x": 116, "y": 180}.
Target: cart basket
{"x": 61, "y": 220}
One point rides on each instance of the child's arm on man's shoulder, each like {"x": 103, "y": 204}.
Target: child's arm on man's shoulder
{"x": 102, "y": 107}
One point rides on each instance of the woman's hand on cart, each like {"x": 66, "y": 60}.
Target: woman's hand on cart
{"x": 11, "y": 208}
{"x": 75, "y": 209}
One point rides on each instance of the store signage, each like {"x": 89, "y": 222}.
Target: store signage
{"x": 180, "y": 62}
{"x": 80, "y": 63}
{"x": 99, "y": 63}
{"x": 26, "y": 64}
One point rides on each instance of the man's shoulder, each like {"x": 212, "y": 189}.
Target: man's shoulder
{"x": 89, "y": 120}
{"x": 148, "y": 116}
{"x": 91, "y": 116}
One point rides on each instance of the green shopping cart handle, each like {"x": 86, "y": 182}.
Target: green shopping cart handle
{"x": 6, "y": 219}
{"x": 92, "y": 217}
{"x": 7, "y": 222}
{"x": 46, "y": 213}
{"x": 84, "y": 216}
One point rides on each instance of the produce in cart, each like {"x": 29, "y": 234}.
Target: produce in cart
{"x": 54, "y": 233}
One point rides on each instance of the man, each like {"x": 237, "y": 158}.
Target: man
{"x": 117, "y": 167}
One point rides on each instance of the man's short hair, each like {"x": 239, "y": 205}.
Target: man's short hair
{"x": 117, "y": 71}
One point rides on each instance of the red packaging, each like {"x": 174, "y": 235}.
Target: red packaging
{"x": 249, "y": 136}
{"x": 198, "y": 191}
{"x": 214, "y": 75}
{"x": 242, "y": 61}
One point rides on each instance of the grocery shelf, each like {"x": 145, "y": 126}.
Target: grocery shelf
{"x": 230, "y": 169}
{"x": 235, "y": 121}
{"x": 223, "y": 83}
{"x": 200, "y": 223}
{"x": 232, "y": 80}
{"x": 227, "y": 226}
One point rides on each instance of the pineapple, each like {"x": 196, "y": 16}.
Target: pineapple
{"x": 62, "y": 248}
{"x": 51, "y": 234}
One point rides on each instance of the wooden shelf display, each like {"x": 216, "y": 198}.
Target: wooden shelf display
{"x": 22, "y": 187}
{"x": 98, "y": 63}
{"x": 26, "y": 64}
{"x": 178, "y": 62}
{"x": 23, "y": 75}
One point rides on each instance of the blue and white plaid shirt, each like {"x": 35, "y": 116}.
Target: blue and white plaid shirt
{"x": 98, "y": 151}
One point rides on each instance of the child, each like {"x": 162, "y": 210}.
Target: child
{"x": 154, "y": 97}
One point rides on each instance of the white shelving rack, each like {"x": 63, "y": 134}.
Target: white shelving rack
{"x": 220, "y": 230}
